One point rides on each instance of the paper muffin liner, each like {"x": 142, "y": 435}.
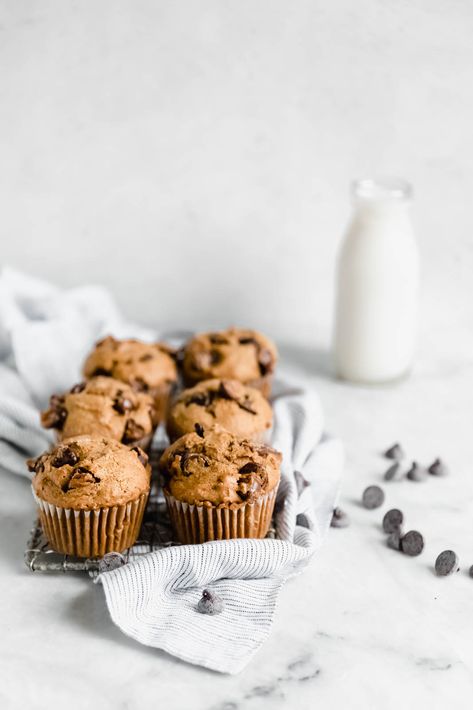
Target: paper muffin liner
{"x": 202, "y": 523}
{"x": 91, "y": 533}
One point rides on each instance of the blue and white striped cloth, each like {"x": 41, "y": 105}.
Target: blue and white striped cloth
{"x": 44, "y": 335}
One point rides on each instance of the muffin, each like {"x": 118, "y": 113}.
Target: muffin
{"x": 239, "y": 409}
{"x": 147, "y": 367}
{"x": 219, "y": 486}
{"x": 237, "y": 354}
{"x": 91, "y": 495}
{"x": 103, "y": 406}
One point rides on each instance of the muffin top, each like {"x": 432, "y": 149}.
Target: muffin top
{"x": 84, "y": 473}
{"x": 142, "y": 365}
{"x": 217, "y": 468}
{"x": 240, "y": 409}
{"x": 237, "y": 354}
{"x": 101, "y": 406}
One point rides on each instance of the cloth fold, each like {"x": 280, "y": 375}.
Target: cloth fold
{"x": 45, "y": 333}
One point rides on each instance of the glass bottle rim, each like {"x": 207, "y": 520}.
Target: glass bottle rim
{"x": 382, "y": 188}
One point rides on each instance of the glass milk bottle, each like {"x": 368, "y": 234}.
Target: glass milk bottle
{"x": 377, "y": 289}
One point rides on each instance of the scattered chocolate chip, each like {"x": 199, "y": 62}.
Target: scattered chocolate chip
{"x": 373, "y": 497}
{"x": 301, "y": 482}
{"x": 339, "y": 519}
{"x": 392, "y": 520}
{"x": 417, "y": 473}
{"x": 265, "y": 361}
{"x": 133, "y": 432}
{"x": 143, "y": 458}
{"x": 146, "y": 357}
{"x": 110, "y": 561}
{"x": 122, "y": 405}
{"x": 395, "y": 452}
{"x": 438, "y": 468}
{"x": 247, "y": 341}
{"x": 187, "y": 458}
{"x": 199, "y": 429}
{"x": 64, "y": 456}
{"x": 210, "y": 603}
{"x": 215, "y": 356}
{"x": 394, "y": 472}
{"x": 447, "y": 563}
{"x": 412, "y": 543}
{"x": 79, "y": 387}
{"x": 36, "y": 465}
{"x": 81, "y": 476}
{"x": 394, "y": 540}
{"x": 202, "y": 399}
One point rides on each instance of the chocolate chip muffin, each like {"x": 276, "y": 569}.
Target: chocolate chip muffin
{"x": 147, "y": 367}
{"x": 243, "y": 355}
{"x": 103, "y": 406}
{"x": 91, "y": 495}
{"x": 219, "y": 486}
{"x": 240, "y": 409}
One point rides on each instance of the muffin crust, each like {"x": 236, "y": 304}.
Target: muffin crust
{"x": 102, "y": 406}
{"x": 238, "y": 408}
{"x": 236, "y": 353}
{"x": 216, "y": 468}
{"x": 86, "y": 473}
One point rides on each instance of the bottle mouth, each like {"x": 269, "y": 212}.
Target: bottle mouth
{"x": 383, "y": 188}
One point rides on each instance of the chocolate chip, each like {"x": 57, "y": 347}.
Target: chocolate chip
{"x": 228, "y": 390}
{"x": 392, "y": 520}
{"x": 217, "y": 339}
{"x": 265, "y": 361}
{"x": 81, "y": 476}
{"x": 412, "y": 543}
{"x": 447, "y": 563}
{"x": 55, "y": 416}
{"x": 122, "y": 405}
{"x": 246, "y": 405}
{"x": 215, "y": 356}
{"x": 187, "y": 458}
{"x": 339, "y": 519}
{"x": 101, "y": 372}
{"x": 110, "y": 561}
{"x": 133, "y": 432}
{"x": 143, "y": 458}
{"x": 64, "y": 456}
{"x": 438, "y": 468}
{"x": 80, "y": 387}
{"x": 199, "y": 429}
{"x": 301, "y": 482}
{"x": 394, "y": 540}
{"x": 417, "y": 473}
{"x": 394, "y": 452}
{"x": 36, "y": 465}
{"x": 247, "y": 341}
{"x": 249, "y": 467}
{"x": 373, "y": 497}
{"x": 139, "y": 385}
{"x": 210, "y": 603}
{"x": 202, "y": 399}
{"x": 393, "y": 473}
{"x": 146, "y": 357}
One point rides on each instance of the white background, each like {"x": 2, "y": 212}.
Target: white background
{"x": 195, "y": 156}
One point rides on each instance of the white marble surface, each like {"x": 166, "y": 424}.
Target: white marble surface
{"x": 364, "y": 627}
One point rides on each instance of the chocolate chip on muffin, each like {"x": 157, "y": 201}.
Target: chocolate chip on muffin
{"x": 237, "y": 354}
{"x": 147, "y": 367}
{"x": 240, "y": 409}
{"x": 103, "y": 406}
